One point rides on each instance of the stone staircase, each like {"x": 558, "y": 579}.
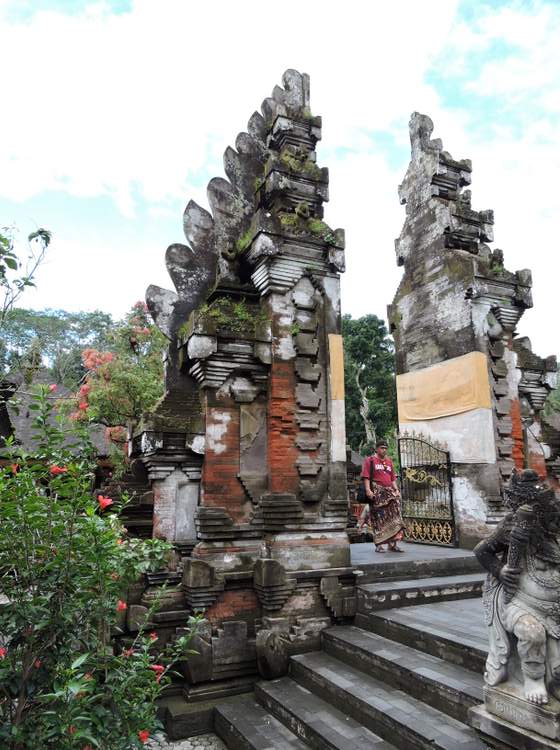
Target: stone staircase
{"x": 403, "y": 676}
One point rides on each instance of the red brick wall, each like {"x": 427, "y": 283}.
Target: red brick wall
{"x": 282, "y": 428}
{"x": 233, "y": 604}
{"x": 221, "y": 487}
{"x": 517, "y": 434}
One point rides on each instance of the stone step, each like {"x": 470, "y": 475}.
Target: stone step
{"x": 454, "y": 631}
{"x": 395, "y": 716}
{"x": 417, "y": 561}
{"x": 320, "y": 724}
{"x": 243, "y": 724}
{"x": 374, "y": 596}
{"x": 447, "y": 687}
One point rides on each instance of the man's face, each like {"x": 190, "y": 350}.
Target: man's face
{"x": 382, "y": 451}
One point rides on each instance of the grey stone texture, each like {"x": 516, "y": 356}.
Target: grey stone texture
{"x": 521, "y": 600}
{"x": 457, "y": 297}
{"x": 201, "y": 742}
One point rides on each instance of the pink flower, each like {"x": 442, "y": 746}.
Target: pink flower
{"x": 83, "y": 405}
{"x": 3, "y": 652}
{"x": 85, "y": 389}
{"x": 128, "y": 652}
{"x": 143, "y": 735}
{"x": 153, "y": 636}
{"x": 104, "y": 502}
{"x": 72, "y": 729}
{"x": 158, "y": 668}
{"x": 14, "y": 468}
{"x": 121, "y": 606}
{"x": 55, "y": 470}
{"x": 53, "y": 387}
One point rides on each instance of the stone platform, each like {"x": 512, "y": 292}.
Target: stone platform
{"x": 417, "y": 561}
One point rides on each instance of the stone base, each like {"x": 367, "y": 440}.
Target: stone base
{"x": 507, "y": 702}
{"x": 220, "y": 688}
{"x": 499, "y": 734}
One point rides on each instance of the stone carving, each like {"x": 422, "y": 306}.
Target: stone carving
{"x": 272, "y": 585}
{"x": 340, "y": 598}
{"x": 522, "y": 596}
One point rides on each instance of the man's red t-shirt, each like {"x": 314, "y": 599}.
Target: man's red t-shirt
{"x": 383, "y": 470}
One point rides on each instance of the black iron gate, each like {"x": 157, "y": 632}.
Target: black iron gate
{"x": 426, "y": 489}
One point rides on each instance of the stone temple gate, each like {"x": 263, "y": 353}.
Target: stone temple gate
{"x": 464, "y": 377}
{"x": 245, "y": 453}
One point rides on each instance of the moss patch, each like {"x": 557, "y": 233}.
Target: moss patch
{"x": 232, "y": 315}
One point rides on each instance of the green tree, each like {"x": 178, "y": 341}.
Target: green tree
{"x": 68, "y": 679}
{"x": 59, "y": 336}
{"x": 127, "y": 380}
{"x": 369, "y": 369}
{"x": 17, "y": 273}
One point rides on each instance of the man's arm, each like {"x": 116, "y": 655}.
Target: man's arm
{"x": 366, "y": 473}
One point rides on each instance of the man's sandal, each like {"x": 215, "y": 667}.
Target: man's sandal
{"x": 379, "y": 549}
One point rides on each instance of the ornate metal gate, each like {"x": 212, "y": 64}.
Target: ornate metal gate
{"x": 427, "y": 498}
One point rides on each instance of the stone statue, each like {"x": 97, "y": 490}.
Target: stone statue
{"x": 522, "y": 593}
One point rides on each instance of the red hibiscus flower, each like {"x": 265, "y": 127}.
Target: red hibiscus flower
{"x": 143, "y": 735}
{"x": 83, "y": 405}
{"x": 153, "y": 636}
{"x": 157, "y": 668}
{"x": 55, "y": 470}
{"x": 3, "y": 652}
{"x": 104, "y": 502}
{"x": 121, "y": 606}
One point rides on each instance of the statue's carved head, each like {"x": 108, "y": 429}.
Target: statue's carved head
{"x": 526, "y": 488}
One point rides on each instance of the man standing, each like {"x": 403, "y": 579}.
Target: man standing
{"x": 380, "y": 483}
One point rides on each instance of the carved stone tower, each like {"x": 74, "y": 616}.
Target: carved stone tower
{"x": 246, "y": 452}
{"x": 462, "y": 375}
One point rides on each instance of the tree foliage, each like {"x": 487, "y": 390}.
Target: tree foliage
{"x": 55, "y": 337}
{"x": 126, "y": 380}
{"x": 65, "y": 567}
{"x": 17, "y": 273}
{"x": 369, "y": 370}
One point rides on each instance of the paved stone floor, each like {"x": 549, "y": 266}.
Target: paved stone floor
{"x": 202, "y": 742}
{"x": 365, "y": 553}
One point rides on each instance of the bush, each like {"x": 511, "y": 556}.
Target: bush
{"x": 65, "y": 566}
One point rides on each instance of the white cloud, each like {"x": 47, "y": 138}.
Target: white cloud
{"x": 141, "y": 104}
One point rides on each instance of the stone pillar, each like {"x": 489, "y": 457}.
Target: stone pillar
{"x": 460, "y": 377}
{"x": 255, "y": 329}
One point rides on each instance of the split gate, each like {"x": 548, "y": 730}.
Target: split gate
{"x": 426, "y": 490}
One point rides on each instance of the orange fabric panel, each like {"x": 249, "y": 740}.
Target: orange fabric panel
{"x": 452, "y": 387}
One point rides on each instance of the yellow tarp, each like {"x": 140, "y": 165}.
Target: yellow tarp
{"x": 337, "y": 366}
{"x": 451, "y": 387}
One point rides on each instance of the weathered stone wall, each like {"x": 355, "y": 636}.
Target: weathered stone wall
{"x": 256, "y": 350}
{"x": 457, "y": 297}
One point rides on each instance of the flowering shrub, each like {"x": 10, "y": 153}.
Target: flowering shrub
{"x": 65, "y": 566}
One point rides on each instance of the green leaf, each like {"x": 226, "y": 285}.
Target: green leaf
{"x": 79, "y": 661}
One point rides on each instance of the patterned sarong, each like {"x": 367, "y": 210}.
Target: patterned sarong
{"x": 385, "y": 512}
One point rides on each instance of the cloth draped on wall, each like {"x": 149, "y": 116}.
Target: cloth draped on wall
{"x": 452, "y": 387}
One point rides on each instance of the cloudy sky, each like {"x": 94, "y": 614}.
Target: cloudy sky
{"x": 116, "y": 113}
